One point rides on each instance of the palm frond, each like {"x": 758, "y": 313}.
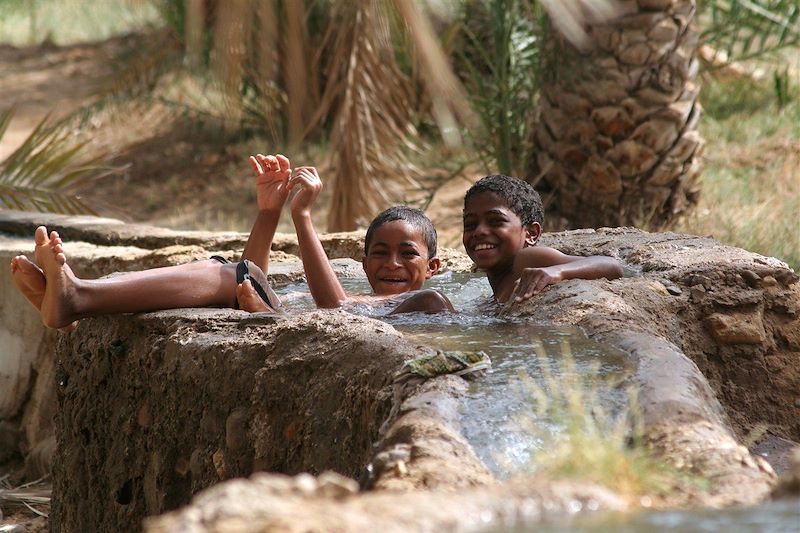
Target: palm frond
{"x": 449, "y": 101}
{"x": 26, "y": 495}
{"x": 369, "y": 98}
{"x": 42, "y": 172}
{"x": 745, "y": 29}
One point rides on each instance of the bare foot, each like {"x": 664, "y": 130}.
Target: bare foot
{"x": 249, "y": 300}
{"x": 30, "y": 281}
{"x": 57, "y": 305}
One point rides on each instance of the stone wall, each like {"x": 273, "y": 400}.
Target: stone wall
{"x": 156, "y": 407}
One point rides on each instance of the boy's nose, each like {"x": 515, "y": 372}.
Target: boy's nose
{"x": 481, "y": 229}
{"x": 393, "y": 261}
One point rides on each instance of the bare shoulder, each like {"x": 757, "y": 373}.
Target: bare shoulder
{"x": 541, "y": 257}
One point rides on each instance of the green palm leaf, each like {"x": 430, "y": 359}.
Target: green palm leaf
{"x": 43, "y": 173}
{"x": 747, "y": 29}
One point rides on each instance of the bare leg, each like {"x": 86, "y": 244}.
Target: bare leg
{"x": 30, "y": 281}
{"x": 68, "y": 298}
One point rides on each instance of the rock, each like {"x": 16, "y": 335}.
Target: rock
{"x": 788, "y": 485}
{"x": 736, "y": 328}
{"x": 335, "y": 486}
{"x": 769, "y": 281}
{"x": 697, "y": 292}
{"x": 751, "y": 278}
{"x": 9, "y": 441}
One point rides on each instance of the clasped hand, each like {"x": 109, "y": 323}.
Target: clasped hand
{"x": 533, "y": 281}
{"x": 272, "y": 180}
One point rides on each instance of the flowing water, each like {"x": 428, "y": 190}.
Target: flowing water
{"x": 773, "y": 517}
{"x": 500, "y": 418}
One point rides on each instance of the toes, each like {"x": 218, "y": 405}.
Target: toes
{"x": 61, "y": 258}
{"x": 40, "y": 236}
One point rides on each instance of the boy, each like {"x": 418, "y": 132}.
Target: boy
{"x": 62, "y": 298}
{"x": 399, "y": 256}
{"x": 503, "y": 219}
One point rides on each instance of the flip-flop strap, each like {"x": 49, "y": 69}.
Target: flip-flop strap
{"x": 259, "y": 281}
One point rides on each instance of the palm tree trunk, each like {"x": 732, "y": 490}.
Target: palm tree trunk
{"x": 616, "y": 142}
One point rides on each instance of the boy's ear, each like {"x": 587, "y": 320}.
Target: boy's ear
{"x": 532, "y": 233}
{"x": 434, "y": 264}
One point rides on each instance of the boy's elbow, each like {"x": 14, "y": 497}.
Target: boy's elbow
{"x": 615, "y": 270}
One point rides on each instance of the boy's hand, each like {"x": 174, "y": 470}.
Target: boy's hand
{"x": 309, "y": 183}
{"x": 272, "y": 180}
{"x": 533, "y": 281}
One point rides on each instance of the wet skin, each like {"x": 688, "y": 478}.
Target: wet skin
{"x": 397, "y": 260}
{"x": 494, "y": 234}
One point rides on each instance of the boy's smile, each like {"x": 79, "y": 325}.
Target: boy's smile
{"x": 397, "y": 259}
{"x": 493, "y": 233}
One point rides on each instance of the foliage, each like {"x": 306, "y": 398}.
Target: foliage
{"x": 42, "y": 172}
{"x": 502, "y": 78}
{"x": 594, "y": 445}
{"x": 30, "y": 22}
{"x": 749, "y": 29}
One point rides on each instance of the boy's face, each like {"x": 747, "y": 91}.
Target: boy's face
{"x": 493, "y": 233}
{"x": 397, "y": 259}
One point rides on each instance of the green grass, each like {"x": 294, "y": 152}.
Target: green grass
{"x": 751, "y": 180}
{"x": 593, "y": 446}
{"x": 30, "y": 22}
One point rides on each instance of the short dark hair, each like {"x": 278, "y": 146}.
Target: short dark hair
{"x": 413, "y": 216}
{"x": 520, "y": 197}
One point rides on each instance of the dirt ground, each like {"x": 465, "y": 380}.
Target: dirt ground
{"x": 174, "y": 171}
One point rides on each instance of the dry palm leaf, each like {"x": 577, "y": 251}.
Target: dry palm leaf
{"x": 371, "y": 101}
{"x": 28, "y": 495}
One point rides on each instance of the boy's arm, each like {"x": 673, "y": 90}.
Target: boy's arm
{"x": 539, "y": 267}
{"x": 272, "y": 189}
{"x": 322, "y": 281}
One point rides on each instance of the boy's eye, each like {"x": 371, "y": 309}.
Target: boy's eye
{"x": 469, "y": 226}
{"x": 410, "y": 253}
{"x": 378, "y": 253}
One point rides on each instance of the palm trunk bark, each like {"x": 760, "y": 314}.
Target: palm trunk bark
{"x": 616, "y": 142}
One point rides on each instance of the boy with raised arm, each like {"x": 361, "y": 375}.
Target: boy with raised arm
{"x": 62, "y": 298}
{"x": 399, "y": 255}
{"x": 503, "y": 219}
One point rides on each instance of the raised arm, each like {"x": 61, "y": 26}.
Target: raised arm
{"x": 537, "y": 267}
{"x": 272, "y": 188}
{"x": 322, "y": 281}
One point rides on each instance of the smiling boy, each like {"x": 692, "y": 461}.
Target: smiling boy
{"x": 399, "y": 255}
{"x": 503, "y": 219}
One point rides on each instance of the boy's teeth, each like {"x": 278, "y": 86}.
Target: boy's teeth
{"x": 484, "y": 246}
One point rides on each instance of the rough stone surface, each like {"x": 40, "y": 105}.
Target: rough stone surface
{"x": 155, "y": 407}
{"x": 280, "y": 504}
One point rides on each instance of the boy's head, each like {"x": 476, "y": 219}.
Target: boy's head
{"x": 502, "y": 215}
{"x": 400, "y": 250}
{"x": 519, "y": 196}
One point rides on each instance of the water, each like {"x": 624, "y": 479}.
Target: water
{"x": 773, "y": 517}
{"x": 499, "y": 415}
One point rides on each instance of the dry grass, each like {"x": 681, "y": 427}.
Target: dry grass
{"x": 751, "y": 181}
